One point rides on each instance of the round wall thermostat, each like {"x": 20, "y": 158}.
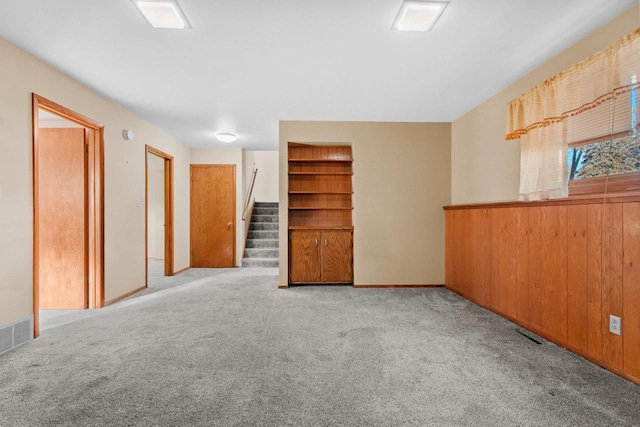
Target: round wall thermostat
{"x": 127, "y": 134}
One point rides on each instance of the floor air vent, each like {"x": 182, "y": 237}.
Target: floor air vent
{"x": 535, "y": 340}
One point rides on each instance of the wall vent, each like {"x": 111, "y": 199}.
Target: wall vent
{"x": 16, "y": 333}
{"x": 6, "y": 338}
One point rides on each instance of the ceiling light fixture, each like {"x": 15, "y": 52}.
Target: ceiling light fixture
{"x": 163, "y": 13}
{"x": 417, "y": 15}
{"x": 226, "y": 137}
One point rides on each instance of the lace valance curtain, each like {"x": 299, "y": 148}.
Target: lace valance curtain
{"x": 579, "y": 104}
{"x": 589, "y": 83}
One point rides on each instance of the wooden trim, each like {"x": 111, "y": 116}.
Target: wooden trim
{"x": 36, "y": 228}
{"x": 398, "y": 286}
{"x": 168, "y": 210}
{"x": 552, "y": 340}
{"x": 283, "y": 286}
{"x": 181, "y": 271}
{"x": 128, "y": 294}
{"x": 618, "y": 184}
{"x": 321, "y": 227}
{"x": 94, "y": 202}
{"x": 590, "y": 200}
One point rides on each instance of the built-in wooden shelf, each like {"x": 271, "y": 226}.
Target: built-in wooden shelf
{"x": 320, "y": 208}
{"x": 320, "y": 173}
{"x": 322, "y": 160}
{"x": 320, "y": 192}
{"x": 314, "y": 227}
{"x": 320, "y": 214}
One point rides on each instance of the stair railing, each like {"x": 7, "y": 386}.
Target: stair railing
{"x": 247, "y": 202}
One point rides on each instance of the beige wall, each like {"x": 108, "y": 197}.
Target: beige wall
{"x": 227, "y": 156}
{"x": 267, "y": 188}
{"x": 401, "y": 181}
{"x": 20, "y": 75}
{"x": 485, "y": 167}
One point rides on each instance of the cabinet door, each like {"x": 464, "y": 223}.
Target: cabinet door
{"x": 304, "y": 257}
{"x": 337, "y": 256}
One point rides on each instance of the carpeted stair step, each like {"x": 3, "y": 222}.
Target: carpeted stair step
{"x": 263, "y": 234}
{"x": 265, "y": 211}
{"x": 264, "y": 218}
{"x": 266, "y": 205}
{"x": 259, "y": 262}
{"x": 263, "y": 226}
{"x": 261, "y": 253}
{"x": 263, "y": 243}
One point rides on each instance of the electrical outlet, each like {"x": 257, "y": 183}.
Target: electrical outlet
{"x": 614, "y": 324}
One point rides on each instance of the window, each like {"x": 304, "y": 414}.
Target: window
{"x": 579, "y": 130}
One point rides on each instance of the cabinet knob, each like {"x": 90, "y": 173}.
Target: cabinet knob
{"x": 316, "y": 243}
{"x": 325, "y": 242}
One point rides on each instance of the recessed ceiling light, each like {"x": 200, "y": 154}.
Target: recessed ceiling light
{"x": 163, "y": 13}
{"x": 417, "y": 15}
{"x": 226, "y": 137}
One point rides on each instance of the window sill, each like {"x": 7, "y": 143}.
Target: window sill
{"x": 615, "y": 184}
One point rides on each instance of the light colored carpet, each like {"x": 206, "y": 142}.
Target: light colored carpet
{"x": 233, "y": 350}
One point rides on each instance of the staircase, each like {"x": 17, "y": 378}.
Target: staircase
{"x": 262, "y": 242}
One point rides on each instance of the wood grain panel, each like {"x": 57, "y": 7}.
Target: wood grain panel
{"x": 483, "y": 257}
{"x": 317, "y": 183}
{"x": 62, "y": 220}
{"x": 522, "y": 268}
{"x": 612, "y": 283}
{"x": 320, "y": 166}
{"x": 213, "y": 212}
{"x": 594, "y": 281}
{"x": 459, "y": 254}
{"x": 631, "y": 289}
{"x": 337, "y": 256}
{"x": 508, "y": 261}
{"x": 577, "y": 278}
{"x": 575, "y": 265}
{"x": 466, "y": 274}
{"x": 304, "y": 257}
{"x": 554, "y": 274}
{"x": 535, "y": 268}
{"x": 448, "y": 249}
{"x": 320, "y": 218}
{"x": 494, "y": 224}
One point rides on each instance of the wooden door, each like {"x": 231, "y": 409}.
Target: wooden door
{"x": 62, "y": 225}
{"x": 304, "y": 253}
{"x": 213, "y": 213}
{"x": 337, "y": 256}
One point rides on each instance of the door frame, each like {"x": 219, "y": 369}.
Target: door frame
{"x": 168, "y": 211}
{"x": 94, "y": 202}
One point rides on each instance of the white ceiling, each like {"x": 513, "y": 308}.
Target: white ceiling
{"x": 246, "y": 64}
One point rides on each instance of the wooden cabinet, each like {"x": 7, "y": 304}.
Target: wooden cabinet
{"x": 320, "y": 208}
{"x": 320, "y": 256}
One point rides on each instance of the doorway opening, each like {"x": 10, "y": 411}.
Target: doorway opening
{"x": 68, "y": 210}
{"x": 158, "y": 213}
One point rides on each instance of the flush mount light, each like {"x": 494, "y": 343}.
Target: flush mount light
{"x": 226, "y": 137}
{"x": 417, "y": 15}
{"x": 163, "y": 13}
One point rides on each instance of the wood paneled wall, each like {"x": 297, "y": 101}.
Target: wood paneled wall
{"x": 557, "y": 268}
